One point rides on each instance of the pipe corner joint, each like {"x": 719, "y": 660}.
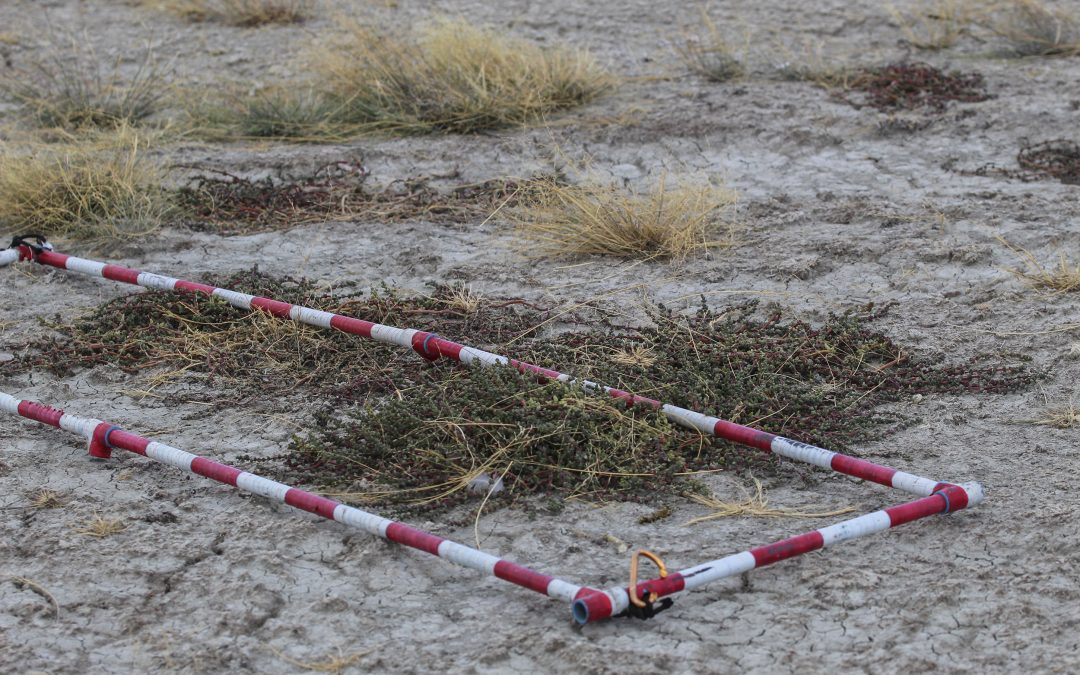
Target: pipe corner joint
{"x": 591, "y": 606}
{"x": 99, "y": 446}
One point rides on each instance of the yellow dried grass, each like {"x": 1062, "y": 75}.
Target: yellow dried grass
{"x": 1065, "y": 417}
{"x": 933, "y": 24}
{"x": 595, "y": 219}
{"x": 330, "y": 664}
{"x": 1034, "y": 28}
{"x": 97, "y": 190}
{"x": 97, "y": 526}
{"x": 756, "y": 504}
{"x": 453, "y": 76}
{"x": 243, "y": 13}
{"x": 71, "y": 87}
{"x": 1063, "y": 278}
{"x": 706, "y": 51}
{"x": 44, "y": 498}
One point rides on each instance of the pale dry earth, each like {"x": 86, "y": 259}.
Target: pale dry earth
{"x": 836, "y": 214}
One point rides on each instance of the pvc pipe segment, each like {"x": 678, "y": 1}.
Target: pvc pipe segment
{"x": 431, "y": 347}
{"x": 104, "y": 437}
{"x": 587, "y": 604}
{"x": 603, "y": 604}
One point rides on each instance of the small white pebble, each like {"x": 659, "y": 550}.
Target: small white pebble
{"x": 483, "y": 484}
{"x": 480, "y": 484}
{"x": 917, "y": 398}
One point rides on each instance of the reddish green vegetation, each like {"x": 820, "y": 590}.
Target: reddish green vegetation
{"x": 913, "y": 86}
{"x": 229, "y": 204}
{"x": 1058, "y": 159}
{"x": 422, "y": 433}
{"x": 820, "y": 384}
{"x": 186, "y": 336}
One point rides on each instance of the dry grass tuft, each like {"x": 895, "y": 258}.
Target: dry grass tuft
{"x": 96, "y": 191}
{"x": 635, "y": 355}
{"x": 44, "y": 498}
{"x": 461, "y": 297}
{"x": 96, "y": 526}
{"x": 1064, "y": 278}
{"x": 589, "y": 219}
{"x": 454, "y": 77}
{"x": 756, "y": 504}
{"x": 243, "y": 13}
{"x": 812, "y": 61}
{"x": 1066, "y": 417}
{"x": 1034, "y": 29}
{"x": 332, "y": 664}
{"x": 296, "y": 113}
{"x": 709, "y": 53}
{"x": 73, "y": 89}
{"x": 933, "y": 24}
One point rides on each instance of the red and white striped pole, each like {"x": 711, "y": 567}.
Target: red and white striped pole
{"x": 104, "y": 437}
{"x": 587, "y": 604}
{"x": 595, "y": 606}
{"x": 431, "y": 347}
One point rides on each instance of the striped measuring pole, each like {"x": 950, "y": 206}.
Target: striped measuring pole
{"x": 103, "y": 438}
{"x": 595, "y": 606}
{"x": 587, "y": 604}
{"x": 431, "y": 346}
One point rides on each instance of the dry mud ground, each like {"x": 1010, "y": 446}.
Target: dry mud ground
{"x": 836, "y": 214}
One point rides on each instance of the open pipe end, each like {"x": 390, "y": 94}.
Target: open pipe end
{"x": 581, "y": 612}
{"x": 975, "y": 493}
{"x": 592, "y": 606}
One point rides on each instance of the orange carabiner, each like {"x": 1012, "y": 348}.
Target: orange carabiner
{"x": 634, "y": 599}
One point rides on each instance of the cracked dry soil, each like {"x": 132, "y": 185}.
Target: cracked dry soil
{"x": 837, "y": 214}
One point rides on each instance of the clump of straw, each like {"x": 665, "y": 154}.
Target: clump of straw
{"x": 453, "y": 77}
{"x": 1034, "y": 29}
{"x": 1062, "y": 278}
{"x": 97, "y": 190}
{"x": 756, "y": 504}
{"x": 664, "y": 222}
{"x": 97, "y": 526}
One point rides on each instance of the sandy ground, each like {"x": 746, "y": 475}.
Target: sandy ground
{"x": 836, "y": 215}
